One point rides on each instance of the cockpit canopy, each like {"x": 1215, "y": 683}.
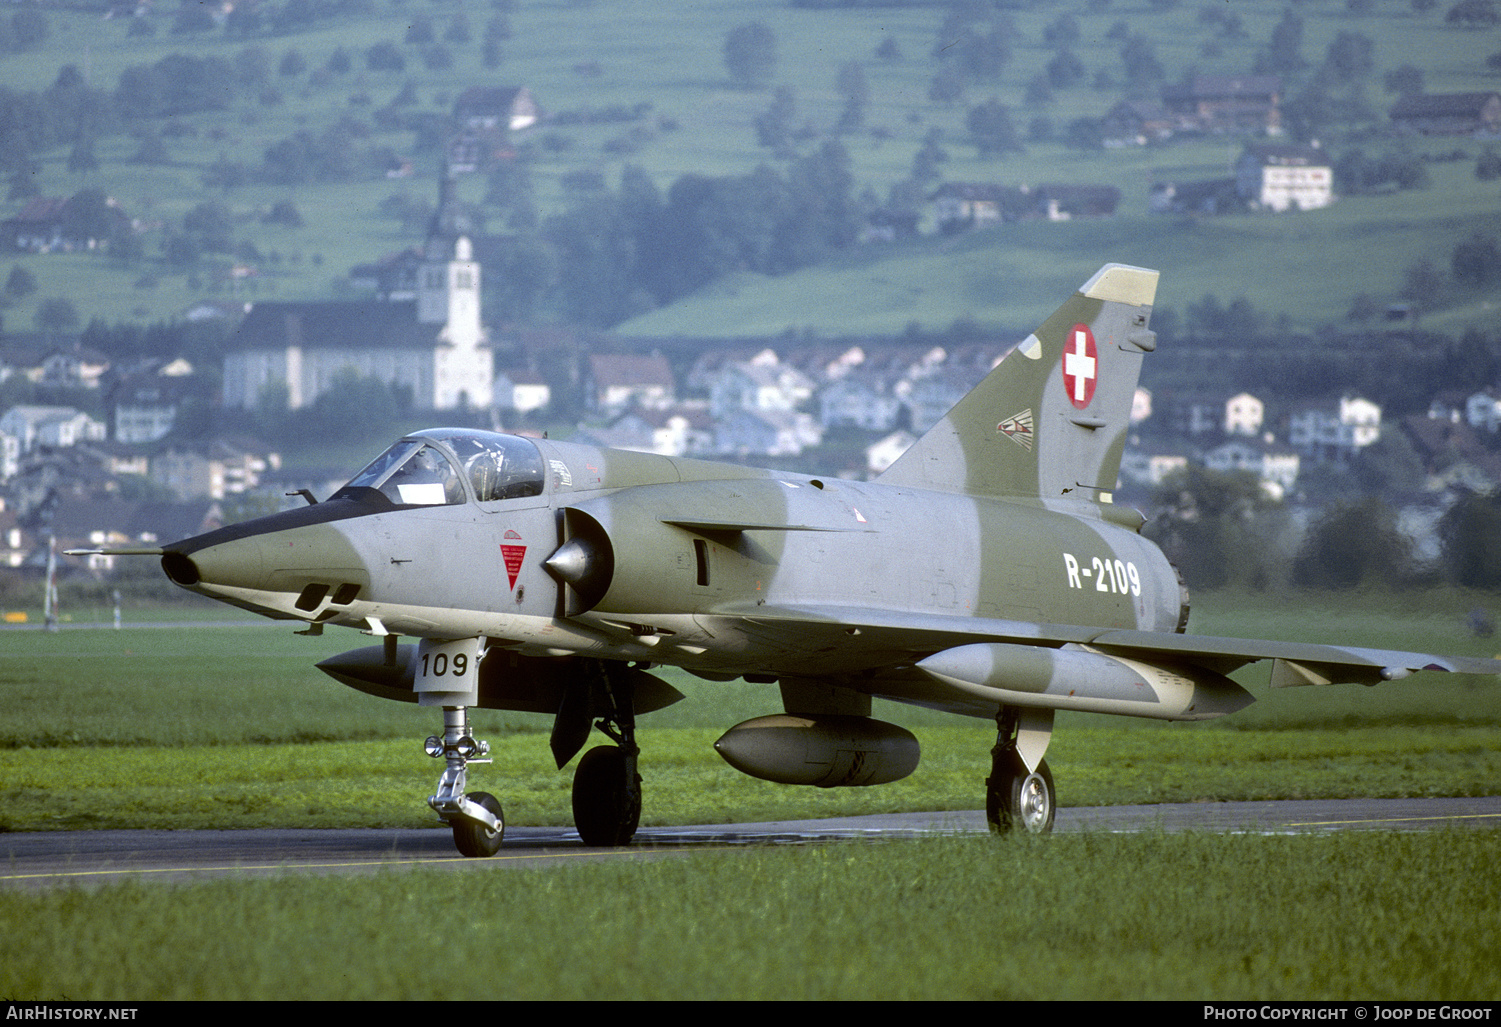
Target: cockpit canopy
{"x": 448, "y": 466}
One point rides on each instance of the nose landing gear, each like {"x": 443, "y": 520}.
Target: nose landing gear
{"x": 597, "y": 694}
{"x": 476, "y": 819}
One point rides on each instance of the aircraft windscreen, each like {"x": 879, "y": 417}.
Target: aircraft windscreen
{"x": 412, "y": 473}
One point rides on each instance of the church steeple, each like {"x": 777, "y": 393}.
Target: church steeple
{"x": 448, "y": 284}
{"x": 448, "y": 294}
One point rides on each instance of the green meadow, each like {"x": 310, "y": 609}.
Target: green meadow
{"x": 229, "y": 726}
{"x": 1349, "y": 916}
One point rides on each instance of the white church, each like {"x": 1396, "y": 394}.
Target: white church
{"x": 433, "y": 344}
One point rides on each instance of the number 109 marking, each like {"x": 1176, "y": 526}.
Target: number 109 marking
{"x": 446, "y": 666}
{"x": 440, "y": 664}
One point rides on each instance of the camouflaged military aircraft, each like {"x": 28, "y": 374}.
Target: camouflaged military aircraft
{"x": 986, "y": 573}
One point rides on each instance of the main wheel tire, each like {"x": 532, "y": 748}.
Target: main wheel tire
{"x": 476, "y": 840}
{"x": 1019, "y": 800}
{"x": 605, "y": 810}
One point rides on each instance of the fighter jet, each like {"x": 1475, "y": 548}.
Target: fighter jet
{"x": 986, "y": 573}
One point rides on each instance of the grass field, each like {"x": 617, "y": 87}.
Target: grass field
{"x": 577, "y": 56}
{"x": 1373, "y": 917}
{"x": 230, "y": 727}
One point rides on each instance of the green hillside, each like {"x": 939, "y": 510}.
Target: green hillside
{"x": 1309, "y": 266}
{"x": 661, "y": 67}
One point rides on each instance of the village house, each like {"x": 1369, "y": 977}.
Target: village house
{"x": 1483, "y": 410}
{"x": 72, "y": 367}
{"x": 1193, "y": 415}
{"x": 1334, "y": 431}
{"x": 1221, "y": 104}
{"x": 884, "y": 452}
{"x": 934, "y": 395}
{"x": 1141, "y": 405}
{"x": 1453, "y": 453}
{"x": 615, "y": 381}
{"x": 212, "y": 470}
{"x": 762, "y": 383}
{"x": 1204, "y": 196}
{"x": 521, "y": 391}
{"x": 488, "y": 118}
{"x": 1147, "y": 461}
{"x": 1285, "y": 177}
{"x": 512, "y": 108}
{"x": 1244, "y": 414}
{"x": 869, "y": 402}
{"x": 15, "y": 540}
{"x": 958, "y": 206}
{"x": 113, "y": 522}
{"x": 393, "y": 277}
{"x": 1067, "y": 202}
{"x": 1138, "y": 123}
{"x": 763, "y": 433}
{"x": 1434, "y": 114}
{"x": 144, "y": 407}
{"x": 1448, "y": 405}
{"x": 889, "y": 226}
{"x": 961, "y": 206}
{"x": 47, "y": 224}
{"x": 1275, "y": 466}
{"x": 10, "y": 455}
{"x": 115, "y": 459}
{"x": 49, "y": 426}
{"x": 681, "y": 430}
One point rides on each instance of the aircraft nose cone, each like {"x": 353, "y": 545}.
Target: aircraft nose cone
{"x": 237, "y": 562}
{"x": 572, "y": 562}
{"x": 181, "y": 569}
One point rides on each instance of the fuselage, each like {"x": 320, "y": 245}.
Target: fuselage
{"x": 668, "y": 560}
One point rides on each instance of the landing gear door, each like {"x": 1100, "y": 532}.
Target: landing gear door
{"x": 447, "y": 672}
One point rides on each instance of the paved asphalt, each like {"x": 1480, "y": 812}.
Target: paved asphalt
{"x": 92, "y": 858}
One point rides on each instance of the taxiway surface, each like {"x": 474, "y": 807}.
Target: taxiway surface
{"x": 93, "y": 858}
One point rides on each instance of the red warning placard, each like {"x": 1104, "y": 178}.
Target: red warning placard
{"x": 512, "y": 556}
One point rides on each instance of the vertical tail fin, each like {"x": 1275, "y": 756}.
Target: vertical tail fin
{"x": 1051, "y": 418}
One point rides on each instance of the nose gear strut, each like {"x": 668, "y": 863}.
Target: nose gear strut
{"x": 476, "y": 819}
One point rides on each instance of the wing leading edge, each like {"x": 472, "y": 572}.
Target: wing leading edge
{"x": 926, "y": 637}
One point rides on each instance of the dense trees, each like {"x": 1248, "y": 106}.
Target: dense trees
{"x": 750, "y": 54}
{"x": 177, "y": 84}
{"x": 619, "y": 254}
{"x": 990, "y": 125}
{"x": 1352, "y": 544}
{"x": 1471, "y": 536}
{"x": 1356, "y": 173}
{"x": 1476, "y": 262}
{"x": 1218, "y": 529}
{"x": 1474, "y": 14}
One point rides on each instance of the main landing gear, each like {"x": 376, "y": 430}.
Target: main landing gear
{"x": 1019, "y": 798}
{"x": 606, "y": 785}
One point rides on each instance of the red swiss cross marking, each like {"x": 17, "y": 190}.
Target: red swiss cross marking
{"x": 1081, "y": 366}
